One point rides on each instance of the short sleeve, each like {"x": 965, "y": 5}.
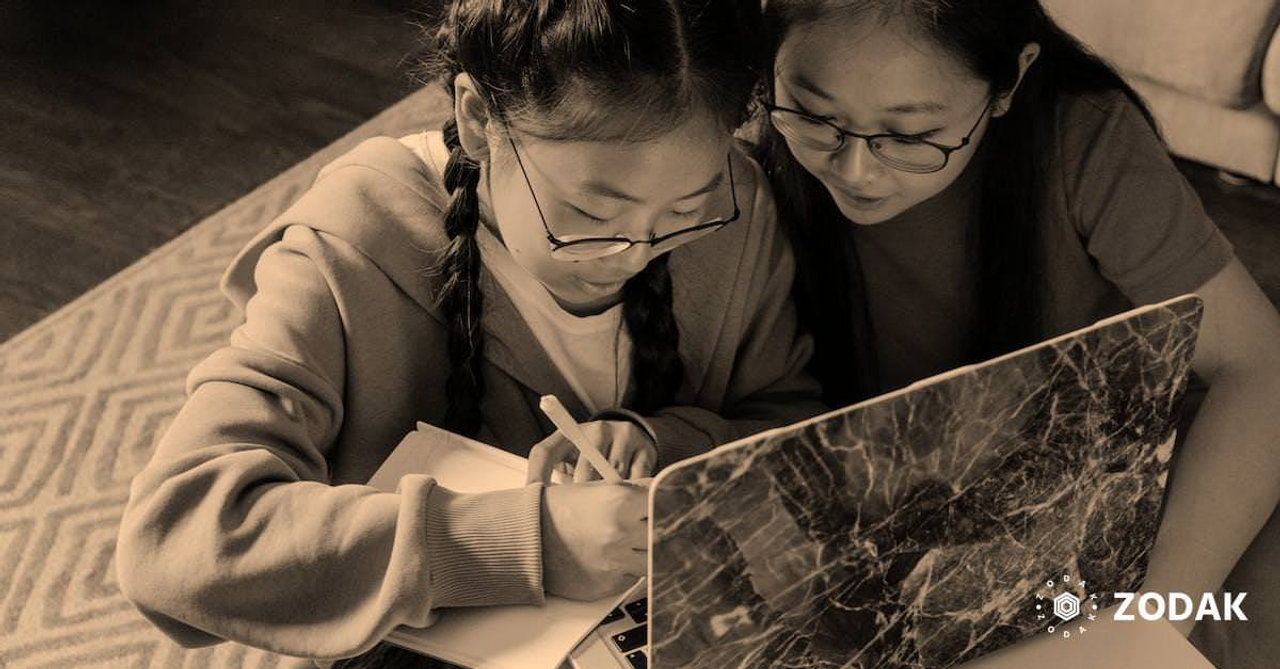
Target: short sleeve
{"x": 1142, "y": 223}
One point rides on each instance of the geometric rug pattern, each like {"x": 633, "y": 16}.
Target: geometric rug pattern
{"x": 84, "y": 396}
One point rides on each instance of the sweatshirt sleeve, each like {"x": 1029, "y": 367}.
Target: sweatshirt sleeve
{"x": 233, "y": 532}
{"x": 768, "y": 386}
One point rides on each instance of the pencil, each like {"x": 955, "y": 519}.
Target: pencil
{"x": 569, "y": 428}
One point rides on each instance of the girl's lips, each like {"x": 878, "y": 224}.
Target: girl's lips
{"x": 862, "y": 201}
{"x": 608, "y": 287}
{"x": 861, "y": 196}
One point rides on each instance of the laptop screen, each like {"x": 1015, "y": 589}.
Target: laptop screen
{"x": 918, "y": 529}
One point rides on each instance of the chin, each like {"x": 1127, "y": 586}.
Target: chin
{"x": 862, "y": 217}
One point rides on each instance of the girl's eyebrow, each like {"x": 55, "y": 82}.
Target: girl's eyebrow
{"x": 924, "y": 107}
{"x": 800, "y": 81}
{"x": 929, "y": 107}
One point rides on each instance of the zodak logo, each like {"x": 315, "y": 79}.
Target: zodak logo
{"x": 1067, "y": 606}
{"x": 1152, "y": 606}
{"x": 1069, "y": 610}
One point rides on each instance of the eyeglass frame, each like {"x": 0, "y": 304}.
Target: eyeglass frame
{"x": 557, "y": 244}
{"x": 842, "y": 133}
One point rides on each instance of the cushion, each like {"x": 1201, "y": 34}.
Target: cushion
{"x": 1244, "y": 141}
{"x": 1271, "y": 75}
{"x": 1205, "y": 48}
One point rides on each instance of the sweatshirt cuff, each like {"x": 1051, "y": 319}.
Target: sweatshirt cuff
{"x": 678, "y": 440}
{"x": 485, "y": 548}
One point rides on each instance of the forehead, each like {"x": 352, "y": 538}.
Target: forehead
{"x": 658, "y": 169}
{"x": 873, "y": 65}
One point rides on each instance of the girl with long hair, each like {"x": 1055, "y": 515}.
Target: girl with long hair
{"x": 583, "y": 225}
{"x": 961, "y": 178}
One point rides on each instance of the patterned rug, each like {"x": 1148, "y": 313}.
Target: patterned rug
{"x": 85, "y": 394}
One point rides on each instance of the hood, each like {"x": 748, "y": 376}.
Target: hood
{"x": 381, "y": 182}
{"x": 387, "y": 203}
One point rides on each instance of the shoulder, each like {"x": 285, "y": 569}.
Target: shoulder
{"x": 1102, "y": 124}
{"x": 377, "y": 206}
{"x": 381, "y": 168}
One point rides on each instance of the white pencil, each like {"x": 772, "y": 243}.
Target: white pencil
{"x": 573, "y": 432}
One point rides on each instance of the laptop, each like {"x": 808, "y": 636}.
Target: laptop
{"x": 921, "y": 528}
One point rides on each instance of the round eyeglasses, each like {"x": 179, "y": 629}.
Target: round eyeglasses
{"x": 587, "y": 247}
{"x": 906, "y": 153}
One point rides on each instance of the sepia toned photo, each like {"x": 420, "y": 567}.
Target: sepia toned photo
{"x": 618, "y": 334}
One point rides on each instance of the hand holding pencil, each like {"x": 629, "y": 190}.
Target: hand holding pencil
{"x": 594, "y": 533}
{"x": 612, "y": 450}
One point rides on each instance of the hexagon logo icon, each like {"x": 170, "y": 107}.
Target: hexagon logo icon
{"x": 1066, "y": 606}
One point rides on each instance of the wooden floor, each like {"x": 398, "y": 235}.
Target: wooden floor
{"x": 124, "y": 123}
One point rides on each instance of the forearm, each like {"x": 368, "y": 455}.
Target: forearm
{"x": 307, "y": 569}
{"x": 684, "y": 432}
{"x": 1225, "y": 486}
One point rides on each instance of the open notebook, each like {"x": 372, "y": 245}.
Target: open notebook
{"x": 492, "y": 637}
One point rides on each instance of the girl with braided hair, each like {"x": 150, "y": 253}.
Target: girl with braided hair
{"x": 584, "y": 225}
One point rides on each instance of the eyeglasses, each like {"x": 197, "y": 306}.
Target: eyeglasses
{"x": 586, "y": 247}
{"x": 901, "y": 152}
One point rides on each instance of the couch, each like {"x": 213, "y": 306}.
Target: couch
{"x": 1209, "y": 69}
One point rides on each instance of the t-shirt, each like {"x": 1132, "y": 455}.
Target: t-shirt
{"x": 593, "y": 353}
{"x": 1123, "y": 228}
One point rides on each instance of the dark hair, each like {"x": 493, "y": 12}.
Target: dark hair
{"x": 595, "y": 70}
{"x": 1007, "y": 244}
{"x": 604, "y": 70}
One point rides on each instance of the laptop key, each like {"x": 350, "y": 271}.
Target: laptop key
{"x": 638, "y": 609}
{"x": 615, "y": 614}
{"x": 638, "y": 660}
{"x": 632, "y": 638}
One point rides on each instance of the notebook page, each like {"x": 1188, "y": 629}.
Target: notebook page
{"x": 493, "y": 637}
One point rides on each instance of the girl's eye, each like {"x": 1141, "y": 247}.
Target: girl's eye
{"x": 914, "y": 136}
{"x": 594, "y": 219}
{"x": 686, "y": 215}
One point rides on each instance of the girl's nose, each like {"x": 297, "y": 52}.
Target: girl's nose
{"x": 855, "y": 163}
{"x": 632, "y": 261}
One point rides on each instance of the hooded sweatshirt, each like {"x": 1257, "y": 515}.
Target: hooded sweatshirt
{"x": 251, "y": 521}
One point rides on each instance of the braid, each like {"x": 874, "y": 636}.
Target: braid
{"x": 655, "y": 353}
{"x": 460, "y": 297}
{"x": 584, "y": 70}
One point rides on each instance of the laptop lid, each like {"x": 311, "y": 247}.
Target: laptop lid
{"x": 916, "y": 529}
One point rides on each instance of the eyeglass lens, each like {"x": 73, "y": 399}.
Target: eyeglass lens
{"x": 901, "y": 153}
{"x": 596, "y": 248}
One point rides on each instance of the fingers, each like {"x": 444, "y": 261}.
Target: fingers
{"x": 642, "y": 464}
{"x": 583, "y": 471}
{"x": 545, "y": 455}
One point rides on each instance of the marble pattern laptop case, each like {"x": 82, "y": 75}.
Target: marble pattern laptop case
{"x": 916, "y": 529}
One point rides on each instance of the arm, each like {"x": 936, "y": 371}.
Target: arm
{"x": 1227, "y": 480}
{"x": 232, "y": 531}
{"x": 1150, "y": 236}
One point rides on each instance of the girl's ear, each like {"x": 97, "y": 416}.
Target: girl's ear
{"x": 472, "y": 113}
{"x": 1030, "y": 51}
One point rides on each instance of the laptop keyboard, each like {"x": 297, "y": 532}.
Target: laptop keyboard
{"x": 630, "y": 642}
